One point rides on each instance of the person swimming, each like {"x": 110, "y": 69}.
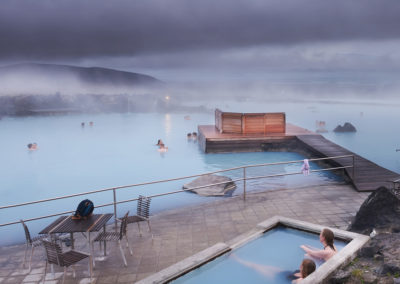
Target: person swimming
{"x": 159, "y": 142}
{"x": 162, "y": 148}
{"x": 91, "y": 123}
{"x": 326, "y": 237}
{"x": 189, "y": 135}
{"x": 32, "y": 146}
{"x": 82, "y": 124}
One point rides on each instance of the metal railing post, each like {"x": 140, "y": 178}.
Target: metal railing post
{"x": 115, "y": 210}
{"x": 114, "y": 189}
{"x": 244, "y": 183}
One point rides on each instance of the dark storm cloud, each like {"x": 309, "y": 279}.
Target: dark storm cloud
{"x": 73, "y": 29}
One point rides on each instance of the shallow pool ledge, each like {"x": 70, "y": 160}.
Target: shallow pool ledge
{"x": 343, "y": 257}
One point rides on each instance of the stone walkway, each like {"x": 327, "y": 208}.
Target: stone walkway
{"x": 183, "y": 232}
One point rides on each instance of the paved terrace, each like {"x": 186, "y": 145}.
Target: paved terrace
{"x": 183, "y": 232}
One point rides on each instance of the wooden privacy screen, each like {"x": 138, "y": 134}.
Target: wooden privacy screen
{"x": 230, "y": 122}
{"x": 275, "y": 122}
{"x": 250, "y": 123}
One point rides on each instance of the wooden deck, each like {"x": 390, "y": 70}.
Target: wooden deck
{"x": 212, "y": 141}
{"x": 211, "y": 133}
{"x": 368, "y": 175}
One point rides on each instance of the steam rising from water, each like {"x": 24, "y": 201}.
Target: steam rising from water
{"x": 79, "y": 85}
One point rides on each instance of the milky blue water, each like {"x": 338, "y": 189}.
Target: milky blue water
{"x": 271, "y": 258}
{"x": 377, "y": 123}
{"x": 120, "y": 149}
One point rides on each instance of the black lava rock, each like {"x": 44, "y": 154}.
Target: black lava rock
{"x": 368, "y": 251}
{"x": 380, "y": 210}
{"x": 347, "y": 127}
{"x": 388, "y": 268}
{"x": 340, "y": 277}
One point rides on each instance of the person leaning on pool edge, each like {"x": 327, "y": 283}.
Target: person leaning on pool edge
{"x": 307, "y": 267}
{"x": 326, "y": 238}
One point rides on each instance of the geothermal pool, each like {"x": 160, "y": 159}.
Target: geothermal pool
{"x": 270, "y": 259}
{"x": 119, "y": 149}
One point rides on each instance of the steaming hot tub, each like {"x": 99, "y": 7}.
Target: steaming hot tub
{"x": 268, "y": 254}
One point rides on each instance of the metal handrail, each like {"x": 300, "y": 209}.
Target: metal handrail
{"x": 115, "y": 203}
{"x": 165, "y": 180}
{"x": 118, "y": 187}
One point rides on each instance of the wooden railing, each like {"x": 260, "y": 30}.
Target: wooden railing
{"x": 250, "y": 123}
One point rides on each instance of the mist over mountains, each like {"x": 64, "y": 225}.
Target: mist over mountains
{"x": 27, "y": 89}
{"x": 45, "y": 79}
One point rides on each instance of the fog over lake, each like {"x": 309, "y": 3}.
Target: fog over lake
{"x": 137, "y": 68}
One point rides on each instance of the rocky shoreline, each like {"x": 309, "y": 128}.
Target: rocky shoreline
{"x": 379, "y": 260}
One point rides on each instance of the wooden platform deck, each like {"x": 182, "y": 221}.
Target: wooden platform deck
{"x": 212, "y": 133}
{"x": 212, "y": 141}
{"x": 368, "y": 176}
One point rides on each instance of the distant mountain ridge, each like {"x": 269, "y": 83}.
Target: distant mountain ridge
{"x": 88, "y": 75}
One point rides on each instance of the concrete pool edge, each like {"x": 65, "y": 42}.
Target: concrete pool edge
{"x": 343, "y": 257}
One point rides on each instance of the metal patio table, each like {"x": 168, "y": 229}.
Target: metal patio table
{"x": 65, "y": 224}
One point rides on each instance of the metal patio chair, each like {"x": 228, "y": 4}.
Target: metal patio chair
{"x": 31, "y": 242}
{"x": 115, "y": 236}
{"x": 142, "y": 213}
{"x": 54, "y": 255}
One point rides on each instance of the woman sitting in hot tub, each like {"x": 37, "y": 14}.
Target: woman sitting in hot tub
{"x": 326, "y": 238}
{"x": 307, "y": 267}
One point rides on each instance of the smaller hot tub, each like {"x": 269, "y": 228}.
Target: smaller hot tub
{"x": 268, "y": 254}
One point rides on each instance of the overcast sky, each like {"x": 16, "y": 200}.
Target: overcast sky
{"x": 161, "y": 35}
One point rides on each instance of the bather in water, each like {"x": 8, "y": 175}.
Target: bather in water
{"x": 163, "y": 148}
{"x": 326, "y": 238}
{"x": 32, "y": 146}
{"x": 307, "y": 266}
